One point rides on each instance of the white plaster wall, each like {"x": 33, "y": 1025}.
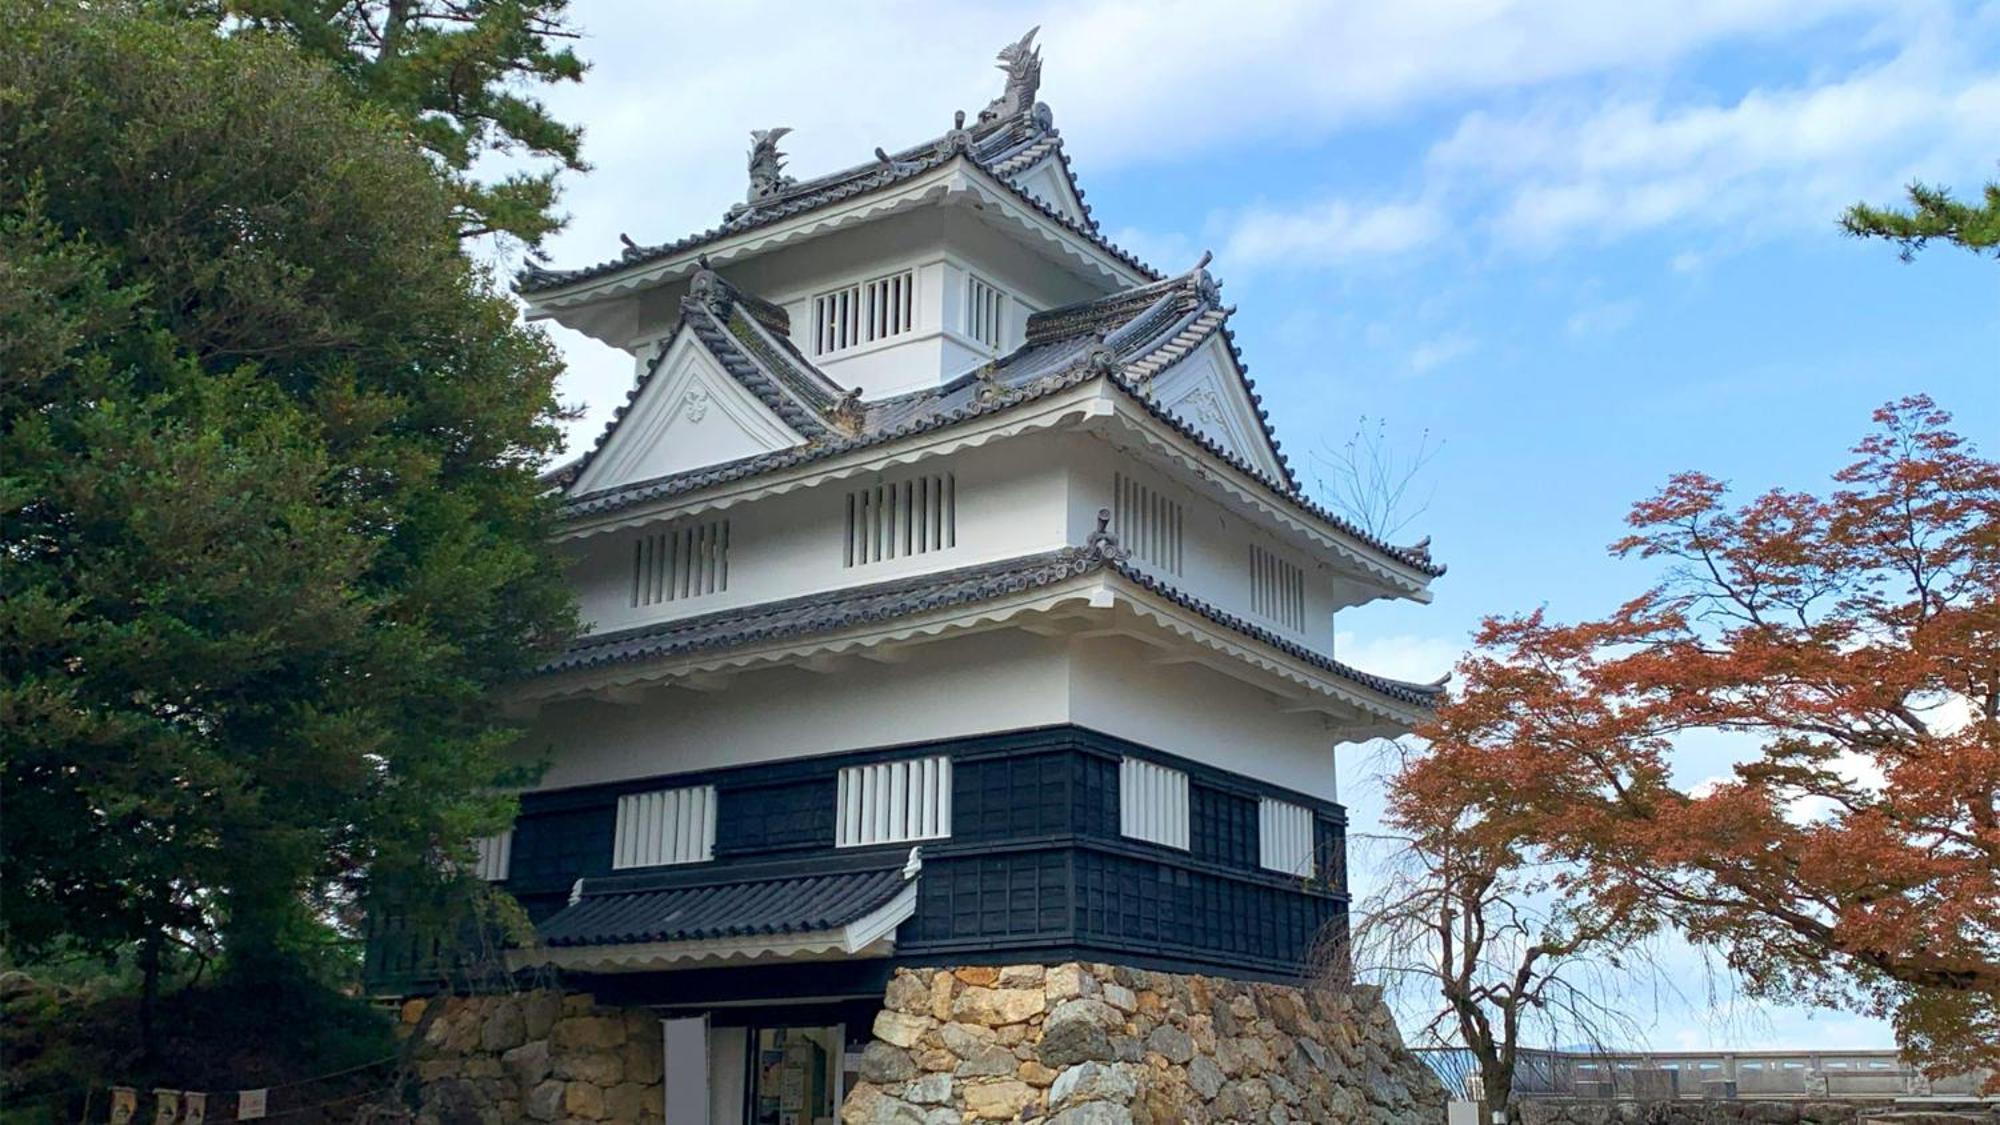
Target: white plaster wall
{"x": 1011, "y": 497}
{"x": 980, "y": 684}
{"x": 986, "y": 682}
{"x": 1199, "y": 713}
{"x": 940, "y": 243}
{"x": 1215, "y": 542}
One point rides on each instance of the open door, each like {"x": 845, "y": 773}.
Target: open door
{"x": 686, "y": 1078}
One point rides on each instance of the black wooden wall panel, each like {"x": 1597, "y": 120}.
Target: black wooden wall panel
{"x": 1094, "y": 802}
{"x": 767, "y": 818}
{"x": 1330, "y": 852}
{"x": 1035, "y": 857}
{"x": 1012, "y": 797}
{"x": 555, "y": 849}
{"x": 1222, "y": 827}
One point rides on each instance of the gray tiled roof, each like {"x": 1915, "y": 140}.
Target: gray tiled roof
{"x": 834, "y": 610}
{"x": 1002, "y": 149}
{"x": 721, "y": 903}
{"x": 748, "y": 338}
{"x": 1147, "y": 330}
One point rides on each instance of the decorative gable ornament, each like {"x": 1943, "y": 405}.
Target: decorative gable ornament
{"x": 767, "y": 165}
{"x": 1022, "y": 61}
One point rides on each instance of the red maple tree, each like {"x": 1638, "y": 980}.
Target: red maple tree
{"x": 1851, "y": 641}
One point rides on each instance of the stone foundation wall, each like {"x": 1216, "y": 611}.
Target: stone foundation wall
{"x": 1101, "y": 1045}
{"x": 535, "y": 1056}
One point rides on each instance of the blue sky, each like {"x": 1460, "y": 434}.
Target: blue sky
{"x": 1582, "y": 245}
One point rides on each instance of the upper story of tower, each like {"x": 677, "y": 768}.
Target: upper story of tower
{"x": 928, "y": 385}
{"x": 895, "y": 275}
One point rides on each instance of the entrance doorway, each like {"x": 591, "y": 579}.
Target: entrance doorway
{"x": 795, "y": 1075}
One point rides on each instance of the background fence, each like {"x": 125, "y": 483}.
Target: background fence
{"x": 1659, "y": 1075}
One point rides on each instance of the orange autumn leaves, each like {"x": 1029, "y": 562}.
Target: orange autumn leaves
{"x": 1847, "y": 643}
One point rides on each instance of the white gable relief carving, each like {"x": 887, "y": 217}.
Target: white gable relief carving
{"x": 694, "y": 405}
{"x": 1204, "y": 407}
{"x": 691, "y": 414}
{"x": 1206, "y": 391}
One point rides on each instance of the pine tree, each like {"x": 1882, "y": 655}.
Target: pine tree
{"x": 269, "y": 516}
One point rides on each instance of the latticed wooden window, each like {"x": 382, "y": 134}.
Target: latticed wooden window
{"x": 880, "y": 308}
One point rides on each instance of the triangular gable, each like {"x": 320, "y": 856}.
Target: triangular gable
{"x": 1206, "y": 389}
{"x": 689, "y": 414}
{"x": 1050, "y": 182}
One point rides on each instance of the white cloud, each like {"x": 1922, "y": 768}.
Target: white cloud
{"x": 1402, "y": 656}
{"x": 1330, "y": 232}
{"x": 1433, "y": 354}
{"x": 1789, "y": 157}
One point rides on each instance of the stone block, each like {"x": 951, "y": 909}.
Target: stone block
{"x": 1034, "y": 1073}
{"x": 882, "y": 1062}
{"x": 1205, "y": 1077}
{"x": 539, "y": 1012}
{"x": 1092, "y": 1082}
{"x": 999, "y": 1101}
{"x": 907, "y": 993}
{"x": 1093, "y": 1113}
{"x": 587, "y": 1033}
{"x": 583, "y": 1099}
{"x": 1067, "y": 982}
{"x": 1077, "y": 1031}
{"x": 989, "y": 1061}
{"x": 528, "y": 1064}
{"x": 901, "y": 1028}
{"x": 626, "y": 1101}
{"x": 983, "y": 976}
{"x": 1121, "y": 998}
{"x": 993, "y": 1007}
{"x": 601, "y": 1068}
{"x": 644, "y": 1058}
{"x": 931, "y": 1089}
{"x": 545, "y": 1102}
{"x": 1022, "y": 976}
{"x": 1172, "y": 1043}
{"x": 943, "y": 987}
{"x": 504, "y": 1028}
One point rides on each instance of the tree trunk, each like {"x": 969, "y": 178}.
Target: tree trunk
{"x": 149, "y": 994}
{"x": 1499, "y": 1092}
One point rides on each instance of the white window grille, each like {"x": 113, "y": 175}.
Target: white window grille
{"x": 1277, "y": 590}
{"x": 493, "y": 856}
{"x": 894, "y": 802}
{"x": 1153, "y": 803}
{"x": 877, "y": 309}
{"x": 1285, "y": 837}
{"x": 1147, "y": 523}
{"x": 985, "y": 313}
{"x": 893, "y": 520}
{"x": 665, "y": 826}
{"x": 686, "y": 562}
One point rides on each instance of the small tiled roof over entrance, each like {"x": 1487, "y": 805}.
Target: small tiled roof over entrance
{"x": 718, "y": 904}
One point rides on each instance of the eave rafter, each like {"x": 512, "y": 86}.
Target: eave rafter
{"x": 1098, "y": 605}
{"x": 960, "y": 182}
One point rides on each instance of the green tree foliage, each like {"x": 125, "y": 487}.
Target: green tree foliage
{"x": 458, "y": 73}
{"x": 1933, "y": 214}
{"x": 270, "y": 533}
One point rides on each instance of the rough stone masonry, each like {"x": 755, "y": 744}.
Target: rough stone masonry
{"x": 1073, "y": 1044}
{"x": 1082, "y": 1044}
